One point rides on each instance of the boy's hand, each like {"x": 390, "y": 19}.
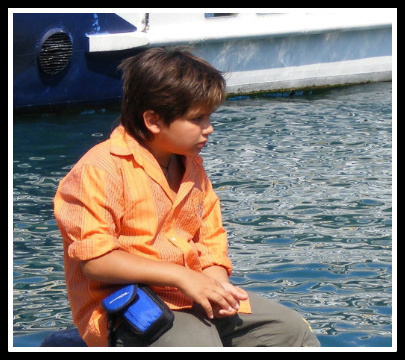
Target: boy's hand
{"x": 218, "y": 299}
{"x": 237, "y": 293}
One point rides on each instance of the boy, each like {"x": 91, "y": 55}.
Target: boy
{"x": 139, "y": 208}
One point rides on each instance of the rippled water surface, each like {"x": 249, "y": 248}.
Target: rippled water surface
{"x": 306, "y": 190}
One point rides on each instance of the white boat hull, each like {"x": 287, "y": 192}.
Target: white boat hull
{"x": 273, "y": 52}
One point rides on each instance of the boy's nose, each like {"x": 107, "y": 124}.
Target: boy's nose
{"x": 208, "y": 129}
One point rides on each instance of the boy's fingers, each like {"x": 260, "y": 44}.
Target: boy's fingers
{"x": 206, "y": 305}
{"x": 243, "y": 295}
{"x": 237, "y": 292}
{"x": 226, "y": 301}
{"x": 227, "y": 312}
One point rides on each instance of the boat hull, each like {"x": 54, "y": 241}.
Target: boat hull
{"x": 61, "y": 61}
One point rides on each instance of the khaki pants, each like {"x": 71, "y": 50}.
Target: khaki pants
{"x": 270, "y": 324}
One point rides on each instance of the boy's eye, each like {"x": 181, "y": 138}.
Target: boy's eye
{"x": 200, "y": 118}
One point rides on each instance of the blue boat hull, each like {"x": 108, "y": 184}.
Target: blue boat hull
{"x": 56, "y": 84}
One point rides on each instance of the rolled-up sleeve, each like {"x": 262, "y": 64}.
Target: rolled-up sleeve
{"x": 88, "y": 206}
{"x": 213, "y": 240}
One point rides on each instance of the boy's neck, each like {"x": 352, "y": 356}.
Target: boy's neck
{"x": 162, "y": 157}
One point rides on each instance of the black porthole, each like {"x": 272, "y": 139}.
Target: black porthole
{"x": 55, "y": 52}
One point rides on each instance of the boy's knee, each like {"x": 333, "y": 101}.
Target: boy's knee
{"x": 280, "y": 325}
{"x": 296, "y": 331}
{"x": 308, "y": 337}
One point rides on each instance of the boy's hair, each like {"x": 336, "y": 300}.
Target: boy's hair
{"x": 169, "y": 82}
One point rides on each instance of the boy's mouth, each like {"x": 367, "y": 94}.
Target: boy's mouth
{"x": 202, "y": 144}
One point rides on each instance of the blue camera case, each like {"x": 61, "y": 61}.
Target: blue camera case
{"x": 146, "y": 314}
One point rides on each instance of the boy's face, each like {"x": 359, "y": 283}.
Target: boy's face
{"x": 187, "y": 134}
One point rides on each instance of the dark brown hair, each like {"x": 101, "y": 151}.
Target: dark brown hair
{"x": 169, "y": 82}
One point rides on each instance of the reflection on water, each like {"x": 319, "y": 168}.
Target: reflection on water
{"x": 305, "y": 187}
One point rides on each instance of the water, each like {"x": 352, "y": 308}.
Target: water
{"x": 306, "y": 190}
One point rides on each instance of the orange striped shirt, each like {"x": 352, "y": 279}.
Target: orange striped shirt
{"x": 117, "y": 197}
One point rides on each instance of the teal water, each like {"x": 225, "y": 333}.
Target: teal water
{"x": 306, "y": 190}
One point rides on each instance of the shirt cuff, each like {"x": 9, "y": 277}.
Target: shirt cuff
{"x": 92, "y": 247}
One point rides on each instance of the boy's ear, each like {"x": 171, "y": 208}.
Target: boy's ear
{"x": 152, "y": 121}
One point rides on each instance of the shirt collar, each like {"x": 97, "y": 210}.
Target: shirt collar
{"x": 123, "y": 144}
{"x": 120, "y": 142}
